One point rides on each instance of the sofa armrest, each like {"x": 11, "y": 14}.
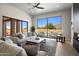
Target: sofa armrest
{"x": 4, "y": 54}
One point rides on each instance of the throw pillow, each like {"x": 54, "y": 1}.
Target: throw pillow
{"x": 20, "y": 36}
{"x": 7, "y": 40}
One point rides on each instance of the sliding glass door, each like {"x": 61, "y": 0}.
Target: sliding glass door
{"x": 50, "y": 26}
{"x": 24, "y": 26}
{"x": 41, "y": 28}
{"x": 8, "y": 28}
{"x": 12, "y": 26}
{"x": 54, "y": 25}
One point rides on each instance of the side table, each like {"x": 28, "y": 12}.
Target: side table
{"x": 60, "y": 39}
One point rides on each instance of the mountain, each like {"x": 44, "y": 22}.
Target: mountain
{"x": 58, "y": 26}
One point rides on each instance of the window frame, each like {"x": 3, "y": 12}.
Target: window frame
{"x": 4, "y": 25}
{"x": 22, "y": 27}
{"x": 47, "y": 22}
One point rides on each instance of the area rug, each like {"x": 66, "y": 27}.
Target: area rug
{"x": 50, "y": 47}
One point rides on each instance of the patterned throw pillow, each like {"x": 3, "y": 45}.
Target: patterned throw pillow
{"x": 20, "y": 36}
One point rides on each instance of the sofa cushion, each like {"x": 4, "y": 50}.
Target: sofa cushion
{"x": 11, "y": 50}
{"x": 14, "y": 39}
{"x": 29, "y": 34}
{"x": 7, "y": 40}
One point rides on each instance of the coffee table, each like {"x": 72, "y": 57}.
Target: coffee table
{"x": 39, "y": 40}
{"x": 33, "y": 39}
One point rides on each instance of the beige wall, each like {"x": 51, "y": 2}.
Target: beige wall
{"x": 11, "y": 11}
{"x": 66, "y": 22}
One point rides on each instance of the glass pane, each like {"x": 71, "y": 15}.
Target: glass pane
{"x": 54, "y": 25}
{"x": 15, "y": 26}
{"x": 20, "y": 26}
{"x": 24, "y": 26}
{"x": 8, "y": 28}
{"x": 42, "y": 22}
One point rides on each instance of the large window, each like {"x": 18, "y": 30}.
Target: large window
{"x": 54, "y": 25}
{"x": 42, "y": 22}
{"x": 24, "y": 26}
{"x": 49, "y": 26}
{"x": 8, "y": 28}
{"x": 15, "y": 26}
{"x": 12, "y": 26}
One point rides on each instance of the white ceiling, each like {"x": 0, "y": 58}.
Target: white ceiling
{"x": 48, "y": 7}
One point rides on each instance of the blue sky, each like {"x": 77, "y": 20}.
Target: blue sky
{"x": 8, "y": 24}
{"x": 54, "y": 20}
{"x": 24, "y": 25}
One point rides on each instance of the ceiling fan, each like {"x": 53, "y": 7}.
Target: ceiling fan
{"x": 37, "y": 6}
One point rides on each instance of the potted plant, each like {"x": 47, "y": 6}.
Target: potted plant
{"x": 33, "y": 29}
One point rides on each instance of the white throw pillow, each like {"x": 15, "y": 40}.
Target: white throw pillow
{"x": 8, "y": 40}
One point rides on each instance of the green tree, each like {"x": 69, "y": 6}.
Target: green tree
{"x": 50, "y": 26}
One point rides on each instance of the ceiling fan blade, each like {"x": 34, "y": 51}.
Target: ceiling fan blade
{"x": 37, "y": 4}
{"x": 40, "y": 7}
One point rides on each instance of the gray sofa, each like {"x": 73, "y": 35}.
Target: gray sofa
{"x": 8, "y": 48}
{"x": 23, "y": 48}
